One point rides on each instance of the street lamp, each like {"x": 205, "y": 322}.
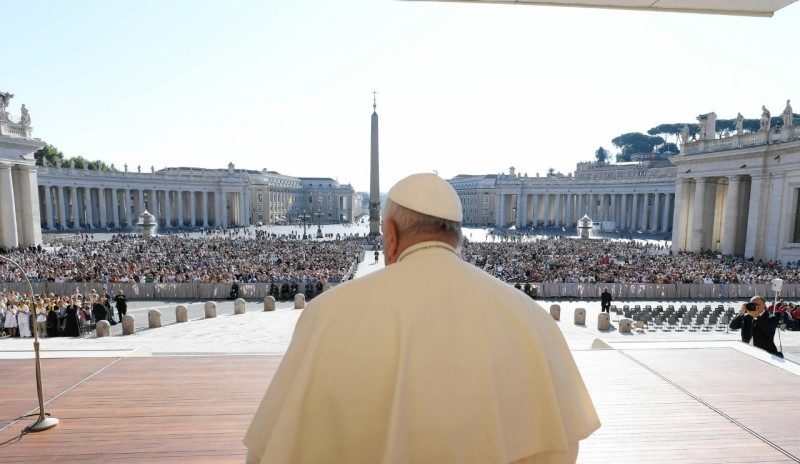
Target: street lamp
{"x": 304, "y": 217}
{"x": 42, "y": 423}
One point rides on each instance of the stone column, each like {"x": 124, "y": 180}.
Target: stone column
{"x": 204, "y": 206}
{"x": 192, "y": 209}
{"x": 570, "y": 210}
{"x": 8, "y": 225}
{"x": 167, "y": 209}
{"x": 101, "y": 203}
{"x": 731, "y": 219}
{"x": 48, "y": 206}
{"x": 500, "y": 208}
{"x": 666, "y": 218}
{"x": 634, "y": 218}
{"x": 754, "y": 227}
{"x": 141, "y": 203}
{"x": 548, "y": 209}
{"x": 559, "y": 210}
{"x": 612, "y": 207}
{"x": 681, "y": 216}
{"x": 244, "y": 216}
{"x": 643, "y": 204}
{"x": 654, "y": 216}
{"x": 179, "y": 198}
{"x": 698, "y": 215}
{"x": 522, "y": 210}
{"x": 590, "y": 207}
{"x": 74, "y": 198}
{"x": 154, "y": 204}
{"x": 128, "y": 209}
{"x": 87, "y": 200}
{"x": 623, "y": 211}
{"x": 602, "y": 212}
{"x": 115, "y": 207}
{"x": 246, "y": 207}
{"x": 62, "y": 207}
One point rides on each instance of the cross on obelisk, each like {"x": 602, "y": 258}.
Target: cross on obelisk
{"x": 374, "y": 188}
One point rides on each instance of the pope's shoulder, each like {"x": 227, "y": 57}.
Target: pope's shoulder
{"x": 405, "y": 280}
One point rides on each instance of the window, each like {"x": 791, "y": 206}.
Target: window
{"x": 261, "y": 198}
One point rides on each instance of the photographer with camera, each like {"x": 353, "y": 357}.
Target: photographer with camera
{"x": 758, "y": 325}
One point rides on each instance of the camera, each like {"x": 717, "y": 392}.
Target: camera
{"x": 750, "y": 306}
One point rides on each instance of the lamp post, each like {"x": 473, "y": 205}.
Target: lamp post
{"x": 304, "y": 217}
{"x": 42, "y": 423}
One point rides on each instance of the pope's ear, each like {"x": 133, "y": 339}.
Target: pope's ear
{"x": 390, "y": 240}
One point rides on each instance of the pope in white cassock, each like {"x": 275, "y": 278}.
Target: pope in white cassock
{"x": 429, "y": 360}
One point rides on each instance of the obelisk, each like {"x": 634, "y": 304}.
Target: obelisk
{"x": 374, "y": 189}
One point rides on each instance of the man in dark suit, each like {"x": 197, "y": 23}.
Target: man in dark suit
{"x": 758, "y": 325}
{"x": 121, "y": 303}
{"x": 605, "y": 301}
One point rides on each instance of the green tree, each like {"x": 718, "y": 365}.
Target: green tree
{"x": 668, "y": 149}
{"x": 602, "y": 155}
{"x": 551, "y": 172}
{"x": 636, "y": 142}
{"x": 52, "y": 154}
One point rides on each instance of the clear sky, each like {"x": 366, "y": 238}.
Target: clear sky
{"x": 462, "y": 88}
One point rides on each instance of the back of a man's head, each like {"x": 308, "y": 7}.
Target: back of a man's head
{"x": 403, "y": 227}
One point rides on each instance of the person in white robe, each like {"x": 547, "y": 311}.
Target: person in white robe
{"x": 429, "y": 360}
{"x": 23, "y": 321}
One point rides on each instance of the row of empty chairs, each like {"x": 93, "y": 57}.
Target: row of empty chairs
{"x": 680, "y": 319}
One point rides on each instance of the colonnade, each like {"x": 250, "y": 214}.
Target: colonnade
{"x": 650, "y": 211}
{"x": 73, "y": 207}
{"x": 720, "y": 213}
{"x": 20, "y": 219}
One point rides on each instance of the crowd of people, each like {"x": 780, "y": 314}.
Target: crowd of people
{"x": 56, "y": 316}
{"x": 175, "y": 258}
{"x": 572, "y": 260}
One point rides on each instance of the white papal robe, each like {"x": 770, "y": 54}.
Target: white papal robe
{"x": 429, "y": 360}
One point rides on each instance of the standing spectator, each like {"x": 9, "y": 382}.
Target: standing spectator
{"x": 24, "y": 320}
{"x": 106, "y": 299}
{"x": 121, "y": 304}
{"x": 10, "y": 323}
{"x": 71, "y": 328}
{"x": 605, "y": 301}
{"x": 41, "y": 318}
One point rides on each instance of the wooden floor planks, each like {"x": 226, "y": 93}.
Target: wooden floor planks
{"x": 195, "y": 409}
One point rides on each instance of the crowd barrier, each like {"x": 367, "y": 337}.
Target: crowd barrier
{"x": 631, "y": 291}
{"x": 201, "y": 291}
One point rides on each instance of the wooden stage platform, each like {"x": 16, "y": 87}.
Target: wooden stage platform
{"x": 710, "y": 405}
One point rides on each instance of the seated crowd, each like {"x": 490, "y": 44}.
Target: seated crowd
{"x": 172, "y": 258}
{"x": 571, "y": 260}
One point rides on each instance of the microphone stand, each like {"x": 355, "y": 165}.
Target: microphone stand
{"x": 43, "y": 422}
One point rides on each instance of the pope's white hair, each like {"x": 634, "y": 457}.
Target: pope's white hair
{"x": 410, "y": 221}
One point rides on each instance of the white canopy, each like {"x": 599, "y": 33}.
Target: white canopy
{"x": 727, "y": 7}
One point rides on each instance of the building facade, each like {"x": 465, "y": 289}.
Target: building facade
{"x": 19, "y": 214}
{"x": 738, "y": 193}
{"x": 630, "y": 196}
{"x": 326, "y": 201}
{"x": 82, "y": 199}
